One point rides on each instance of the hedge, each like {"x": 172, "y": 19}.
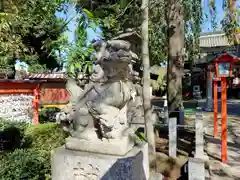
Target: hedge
{"x": 44, "y": 136}
{"x": 25, "y": 164}
{"x": 48, "y": 114}
{"x": 11, "y": 135}
{"x": 27, "y": 153}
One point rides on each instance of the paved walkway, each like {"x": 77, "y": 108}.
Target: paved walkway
{"x": 231, "y": 170}
{"x": 218, "y": 170}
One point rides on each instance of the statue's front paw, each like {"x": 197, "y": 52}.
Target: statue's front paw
{"x": 111, "y": 135}
{"x": 61, "y": 116}
{"x": 87, "y": 134}
{"x": 105, "y": 123}
{"x": 129, "y": 132}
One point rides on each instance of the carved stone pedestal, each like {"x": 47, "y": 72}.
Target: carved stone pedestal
{"x": 79, "y": 165}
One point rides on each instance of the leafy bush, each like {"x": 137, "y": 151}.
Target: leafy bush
{"x": 44, "y": 136}
{"x": 140, "y": 136}
{"x": 4, "y": 124}
{"x": 33, "y": 160}
{"x": 25, "y": 164}
{"x": 159, "y": 86}
{"x": 11, "y": 135}
{"x": 48, "y": 114}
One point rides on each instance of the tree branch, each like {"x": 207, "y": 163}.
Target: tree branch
{"x": 125, "y": 9}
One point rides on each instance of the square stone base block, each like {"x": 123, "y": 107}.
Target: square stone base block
{"x": 112, "y": 147}
{"x": 79, "y": 165}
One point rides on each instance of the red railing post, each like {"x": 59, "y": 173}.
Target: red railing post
{"x": 224, "y": 119}
{"x": 35, "y": 105}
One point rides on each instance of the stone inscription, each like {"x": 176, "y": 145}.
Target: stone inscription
{"x": 16, "y": 108}
{"x": 88, "y": 172}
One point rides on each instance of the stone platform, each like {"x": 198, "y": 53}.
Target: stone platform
{"x": 114, "y": 147}
{"x": 79, "y": 165}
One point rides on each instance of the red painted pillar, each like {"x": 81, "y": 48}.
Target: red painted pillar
{"x": 215, "y": 107}
{"x": 224, "y": 119}
{"x": 35, "y": 105}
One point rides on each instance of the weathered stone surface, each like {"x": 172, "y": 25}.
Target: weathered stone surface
{"x": 78, "y": 165}
{"x": 196, "y": 169}
{"x": 111, "y": 147}
{"x": 107, "y": 104}
{"x": 172, "y": 137}
{"x": 156, "y": 176}
{"x": 16, "y": 108}
{"x": 199, "y": 134}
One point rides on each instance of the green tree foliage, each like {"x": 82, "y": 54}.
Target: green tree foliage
{"x": 115, "y": 16}
{"x": 193, "y": 16}
{"x": 79, "y": 57}
{"x": 30, "y": 30}
{"x": 230, "y": 24}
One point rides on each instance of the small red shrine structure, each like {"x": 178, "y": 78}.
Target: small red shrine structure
{"x": 23, "y": 87}
{"x": 222, "y": 68}
{"x": 53, "y": 89}
{"x": 48, "y": 90}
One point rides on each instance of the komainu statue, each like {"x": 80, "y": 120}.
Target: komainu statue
{"x": 99, "y": 113}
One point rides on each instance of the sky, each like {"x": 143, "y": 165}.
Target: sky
{"x": 72, "y": 15}
{"x": 206, "y": 26}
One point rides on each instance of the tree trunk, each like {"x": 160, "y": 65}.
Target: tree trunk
{"x": 175, "y": 23}
{"x": 1, "y": 5}
{"x": 146, "y": 87}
